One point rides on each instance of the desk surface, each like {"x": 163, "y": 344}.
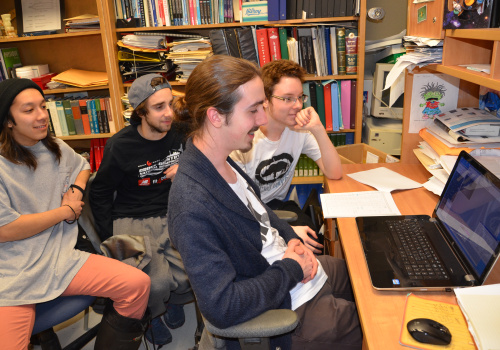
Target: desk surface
{"x": 381, "y": 312}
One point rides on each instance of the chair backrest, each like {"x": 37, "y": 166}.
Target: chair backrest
{"x": 86, "y": 219}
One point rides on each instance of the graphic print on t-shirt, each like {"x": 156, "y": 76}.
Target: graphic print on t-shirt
{"x": 263, "y": 218}
{"x": 151, "y": 172}
{"x": 271, "y": 170}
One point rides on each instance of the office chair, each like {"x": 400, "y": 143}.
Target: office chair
{"x": 54, "y": 312}
{"x": 253, "y": 334}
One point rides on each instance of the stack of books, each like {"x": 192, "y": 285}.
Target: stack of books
{"x": 463, "y": 129}
{"x": 82, "y": 23}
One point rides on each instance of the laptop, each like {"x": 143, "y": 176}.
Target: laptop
{"x": 458, "y": 246}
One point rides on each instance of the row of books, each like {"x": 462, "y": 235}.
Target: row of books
{"x": 304, "y": 9}
{"x": 335, "y": 102}
{"x": 158, "y": 13}
{"x": 82, "y": 116}
{"x": 96, "y": 153}
{"x": 321, "y": 50}
{"x": 9, "y": 61}
{"x": 342, "y": 138}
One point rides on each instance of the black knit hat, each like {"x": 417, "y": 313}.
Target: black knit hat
{"x": 9, "y": 89}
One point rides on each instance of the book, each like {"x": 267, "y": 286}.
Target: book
{"x": 306, "y": 50}
{"x": 291, "y": 9}
{"x": 328, "y": 52}
{"x": 340, "y": 41}
{"x": 351, "y": 51}
{"x": 112, "y": 126}
{"x": 336, "y": 111}
{"x": 10, "y": 61}
{"x": 283, "y": 10}
{"x": 274, "y": 43}
{"x": 104, "y": 115}
{"x": 85, "y": 116}
{"x": 56, "y": 124}
{"x": 62, "y": 118}
{"x": 77, "y": 117}
{"x": 283, "y": 37}
{"x": 273, "y": 10}
{"x": 97, "y": 103}
{"x": 305, "y": 89}
{"x": 345, "y": 102}
{"x": 263, "y": 46}
{"x": 353, "y": 103}
{"x": 68, "y": 112}
{"x": 94, "y": 124}
{"x": 320, "y": 102}
{"x": 312, "y": 95}
{"x": 327, "y": 87}
{"x": 333, "y": 50}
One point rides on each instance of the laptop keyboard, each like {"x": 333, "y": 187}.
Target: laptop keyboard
{"x": 418, "y": 256}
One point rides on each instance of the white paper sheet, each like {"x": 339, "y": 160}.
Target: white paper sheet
{"x": 353, "y": 204}
{"x": 384, "y": 180}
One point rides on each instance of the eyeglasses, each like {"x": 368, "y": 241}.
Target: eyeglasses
{"x": 292, "y": 100}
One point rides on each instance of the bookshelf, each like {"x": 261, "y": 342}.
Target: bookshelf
{"x": 98, "y": 51}
{"x": 460, "y": 46}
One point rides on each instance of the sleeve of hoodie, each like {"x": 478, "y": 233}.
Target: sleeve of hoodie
{"x": 102, "y": 191}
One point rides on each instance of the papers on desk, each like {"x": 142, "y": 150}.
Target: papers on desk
{"x": 384, "y": 180}
{"x": 445, "y": 313}
{"x": 481, "y": 307}
{"x": 353, "y": 204}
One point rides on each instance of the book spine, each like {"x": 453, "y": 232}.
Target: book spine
{"x": 282, "y": 8}
{"x": 328, "y": 107}
{"x": 336, "y": 113}
{"x": 283, "y": 37}
{"x": 353, "y": 104}
{"x": 263, "y": 46}
{"x": 85, "y": 117}
{"x": 274, "y": 43}
{"x": 68, "y": 112}
{"x": 92, "y": 156}
{"x": 51, "y": 106}
{"x": 77, "y": 117}
{"x": 161, "y": 13}
{"x": 141, "y": 13}
{"x": 166, "y": 12}
{"x": 351, "y": 51}
{"x": 112, "y": 126}
{"x": 320, "y": 99}
{"x": 104, "y": 112}
{"x": 273, "y": 11}
{"x": 341, "y": 51}
{"x": 328, "y": 52}
{"x": 345, "y": 102}
{"x": 62, "y": 118}
{"x": 100, "y": 125}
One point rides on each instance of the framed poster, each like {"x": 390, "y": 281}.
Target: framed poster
{"x": 35, "y": 16}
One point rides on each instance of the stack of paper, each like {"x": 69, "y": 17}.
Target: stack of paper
{"x": 82, "y": 23}
{"x": 481, "y": 307}
{"x": 187, "y": 53}
{"x": 82, "y": 78}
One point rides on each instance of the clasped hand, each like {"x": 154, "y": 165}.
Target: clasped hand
{"x": 305, "y": 257}
{"x": 73, "y": 199}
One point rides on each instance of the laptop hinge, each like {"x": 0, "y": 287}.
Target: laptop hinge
{"x": 470, "y": 279}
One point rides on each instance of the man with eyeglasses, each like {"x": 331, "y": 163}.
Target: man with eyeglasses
{"x": 129, "y": 195}
{"x": 277, "y": 146}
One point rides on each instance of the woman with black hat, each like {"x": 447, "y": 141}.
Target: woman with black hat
{"x": 42, "y": 181}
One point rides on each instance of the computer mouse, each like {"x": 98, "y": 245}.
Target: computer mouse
{"x": 429, "y": 331}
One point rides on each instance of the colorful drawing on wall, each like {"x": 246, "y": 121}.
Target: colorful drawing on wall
{"x": 432, "y": 94}
{"x": 466, "y": 14}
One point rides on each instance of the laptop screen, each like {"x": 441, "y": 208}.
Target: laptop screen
{"x": 470, "y": 209}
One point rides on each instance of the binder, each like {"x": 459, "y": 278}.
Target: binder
{"x": 263, "y": 46}
{"x": 283, "y": 10}
{"x": 300, "y": 8}
{"x": 283, "y": 37}
{"x": 247, "y": 44}
{"x": 353, "y": 104}
{"x": 336, "y": 111}
{"x": 273, "y": 10}
{"x": 327, "y": 87}
{"x": 305, "y": 89}
{"x": 274, "y": 43}
{"x": 320, "y": 98}
{"x": 291, "y": 9}
{"x": 345, "y": 102}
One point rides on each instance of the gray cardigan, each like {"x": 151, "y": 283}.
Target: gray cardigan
{"x": 220, "y": 244}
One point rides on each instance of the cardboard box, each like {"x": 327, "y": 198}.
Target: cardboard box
{"x": 362, "y": 153}
{"x": 254, "y": 11}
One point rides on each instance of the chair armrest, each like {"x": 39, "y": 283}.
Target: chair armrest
{"x": 288, "y": 216}
{"x": 268, "y": 324}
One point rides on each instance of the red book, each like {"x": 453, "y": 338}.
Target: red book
{"x": 97, "y": 154}
{"x": 161, "y": 13}
{"x": 274, "y": 43}
{"x": 263, "y": 46}
{"x": 85, "y": 117}
{"x": 92, "y": 157}
{"x": 327, "y": 88}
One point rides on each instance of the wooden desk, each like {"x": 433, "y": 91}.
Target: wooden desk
{"x": 381, "y": 312}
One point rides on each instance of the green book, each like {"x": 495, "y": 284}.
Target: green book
{"x": 310, "y": 166}
{"x": 301, "y": 165}
{"x": 10, "y": 61}
{"x": 68, "y": 113}
{"x": 62, "y": 118}
{"x": 283, "y": 46}
{"x": 340, "y": 50}
{"x": 320, "y": 100}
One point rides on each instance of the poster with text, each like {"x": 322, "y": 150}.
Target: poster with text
{"x": 432, "y": 94}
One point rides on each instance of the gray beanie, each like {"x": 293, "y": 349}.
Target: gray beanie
{"x": 9, "y": 89}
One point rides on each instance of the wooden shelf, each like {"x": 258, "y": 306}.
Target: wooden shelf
{"x": 290, "y": 22}
{"x": 330, "y": 77}
{"x": 74, "y": 89}
{"x": 478, "y": 33}
{"x": 50, "y": 37}
{"x": 85, "y": 137}
{"x": 478, "y": 78}
{"x": 307, "y": 180}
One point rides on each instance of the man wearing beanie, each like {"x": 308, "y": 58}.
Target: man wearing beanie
{"x": 129, "y": 195}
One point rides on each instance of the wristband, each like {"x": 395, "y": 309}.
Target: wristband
{"x": 78, "y": 188}
{"x": 74, "y": 212}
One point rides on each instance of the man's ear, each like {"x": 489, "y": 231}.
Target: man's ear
{"x": 215, "y": 118}
{"x": 266, "y": 103}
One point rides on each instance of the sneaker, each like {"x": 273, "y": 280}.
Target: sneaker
{"x": 158, "y": 333}
{"x": 174, "y": 317}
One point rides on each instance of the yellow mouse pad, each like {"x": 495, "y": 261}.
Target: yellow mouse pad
{"x": 447, "y": 314}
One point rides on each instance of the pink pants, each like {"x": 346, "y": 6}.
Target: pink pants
{"x": 127, "y": 286}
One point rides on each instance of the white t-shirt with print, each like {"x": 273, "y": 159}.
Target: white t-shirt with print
{"x": 273, "y": 245}
{"x": 271, "y": 164}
